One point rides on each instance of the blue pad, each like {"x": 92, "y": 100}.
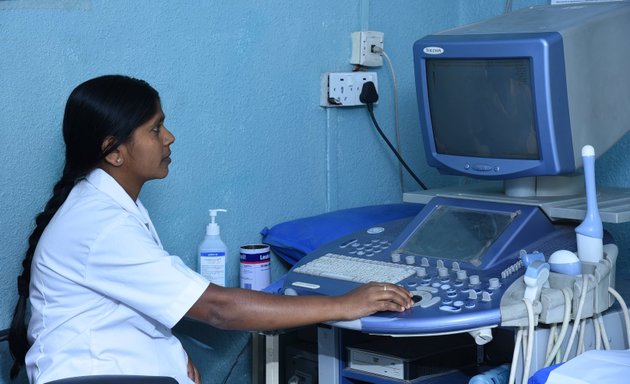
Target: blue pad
{"x": 294, "y": 239}
{"x": 541, "y": 376}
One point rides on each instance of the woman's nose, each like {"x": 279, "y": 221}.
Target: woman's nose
{"x": 169, "y": 138}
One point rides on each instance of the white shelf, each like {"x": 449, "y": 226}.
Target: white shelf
{"x": 613, "y": 203}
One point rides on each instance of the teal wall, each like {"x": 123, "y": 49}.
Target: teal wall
{"x": 240, "y": 84}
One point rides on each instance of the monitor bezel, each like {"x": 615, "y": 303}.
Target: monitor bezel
{"x": 549, "y": 95}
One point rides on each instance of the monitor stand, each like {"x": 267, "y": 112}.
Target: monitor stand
{"x": 545, "y": 186}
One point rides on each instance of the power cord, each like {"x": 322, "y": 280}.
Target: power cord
{"x": 369, "y": 96}
{"x": 624, "y": 309}
{"x": 381, "y": 51}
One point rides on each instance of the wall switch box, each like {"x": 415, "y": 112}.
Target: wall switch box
{"x": 362, "y": 45}
{"x": 342, "y": 89}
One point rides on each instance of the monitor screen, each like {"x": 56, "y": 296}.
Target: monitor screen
{"x": 476, "y": 231}
{"x": 482, "y": 108}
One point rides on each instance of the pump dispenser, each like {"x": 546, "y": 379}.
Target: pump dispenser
{"x": 212, "y": 252}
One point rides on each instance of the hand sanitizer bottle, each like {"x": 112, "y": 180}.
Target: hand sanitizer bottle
{"x": 212, "y": 252}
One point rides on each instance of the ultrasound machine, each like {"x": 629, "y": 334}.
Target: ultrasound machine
{"x": 524, "y": 103}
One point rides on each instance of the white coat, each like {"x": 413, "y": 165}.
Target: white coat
{"x": 104, "y": 293}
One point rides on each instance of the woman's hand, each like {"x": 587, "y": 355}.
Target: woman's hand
{"x": 375, "y": 297}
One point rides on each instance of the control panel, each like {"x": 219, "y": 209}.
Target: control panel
{"x": 457, "y": 257}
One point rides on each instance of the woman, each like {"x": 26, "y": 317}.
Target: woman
{"x": 103, "y": 293}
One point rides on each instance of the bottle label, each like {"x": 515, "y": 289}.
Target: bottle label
{"x": 255, "y": 258}
{"x": 212, "y": 267}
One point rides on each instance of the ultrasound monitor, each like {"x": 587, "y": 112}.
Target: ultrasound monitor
{"x": 517, "y": 97}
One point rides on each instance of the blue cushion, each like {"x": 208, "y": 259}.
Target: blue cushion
{"x": 294, "y": 239}
{"x": 541, "y": 376}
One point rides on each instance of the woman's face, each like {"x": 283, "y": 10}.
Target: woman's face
{"x": 147, "y": 153}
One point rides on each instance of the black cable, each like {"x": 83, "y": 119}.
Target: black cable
{"x": 369, "y": 97}
{"x": 389, "y": 144}
{"x": 4, "y": 334}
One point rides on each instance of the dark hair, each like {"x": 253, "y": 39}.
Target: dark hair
{"x": 104, "y": 107}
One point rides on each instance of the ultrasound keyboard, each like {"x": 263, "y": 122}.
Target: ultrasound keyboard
{"x": 348, "y": 268}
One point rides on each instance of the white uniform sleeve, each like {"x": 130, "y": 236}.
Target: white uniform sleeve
{"x": 126, "y": 264}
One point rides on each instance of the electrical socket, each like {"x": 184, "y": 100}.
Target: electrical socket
{"x": 342, "y": 89}
{"x": 362, "y": 44}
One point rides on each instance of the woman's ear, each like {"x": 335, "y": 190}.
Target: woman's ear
{"x": 114, "y": 157}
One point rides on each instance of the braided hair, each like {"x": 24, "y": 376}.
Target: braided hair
{"x": 105, "y": 109}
